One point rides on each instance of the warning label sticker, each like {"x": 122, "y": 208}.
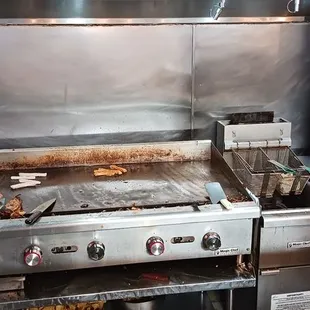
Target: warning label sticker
{"x": 292, "y": 301}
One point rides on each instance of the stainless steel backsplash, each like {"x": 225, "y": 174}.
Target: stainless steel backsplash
{"x": 250, "y": 68}
{"x": 67, "y": 85}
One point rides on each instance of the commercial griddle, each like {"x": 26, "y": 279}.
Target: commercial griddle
{"x": 157, "y": 211}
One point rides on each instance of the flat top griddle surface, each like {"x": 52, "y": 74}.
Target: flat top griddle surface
{"x": 142, "y": 185}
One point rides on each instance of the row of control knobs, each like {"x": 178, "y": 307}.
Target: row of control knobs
{"x": 155, "y": 246}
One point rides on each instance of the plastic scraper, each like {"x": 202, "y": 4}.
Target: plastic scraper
{"x": 217, "y": 195}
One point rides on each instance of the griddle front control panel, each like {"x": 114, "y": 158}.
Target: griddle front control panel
{"x": 125, "y": 246}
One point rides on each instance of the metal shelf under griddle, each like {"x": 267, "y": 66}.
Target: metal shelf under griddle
{"x": 125, "y": 282}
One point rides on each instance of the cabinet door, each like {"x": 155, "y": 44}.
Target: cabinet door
{"x": 285, "y": 238}
{"x": 272, "y": 283}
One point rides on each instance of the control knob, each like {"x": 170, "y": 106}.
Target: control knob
{"x": 33, "y": 256}
{"x": 212, "y": 241}
{"x": 155, "y": 246}
{"x": 95, "y": 250}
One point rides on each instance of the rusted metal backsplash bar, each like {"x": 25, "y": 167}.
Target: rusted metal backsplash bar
{"x": 104, "y": 155}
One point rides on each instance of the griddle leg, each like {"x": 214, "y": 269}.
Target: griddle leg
{"x": 229, "y": 303}
{"x": 239, "y": 260}
{"x": 205, "y": 302}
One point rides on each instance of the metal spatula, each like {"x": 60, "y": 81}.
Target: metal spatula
{"x": 217, "y": 195}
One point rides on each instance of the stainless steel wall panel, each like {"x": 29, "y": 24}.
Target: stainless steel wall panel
{"x": 134, "y": 84}
{"x": 251, "y": 67}
{"x": 94, "y": 80}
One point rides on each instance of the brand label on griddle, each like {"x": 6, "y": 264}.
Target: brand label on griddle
{"x": 298, "y": 244}
{"x": 228, "y": 251}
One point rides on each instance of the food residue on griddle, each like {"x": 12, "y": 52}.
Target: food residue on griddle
{"x": 106, "y": 172}
{"x": 232, "y": 199}
{"x": 33, "y": 174}
{"x": 239, "y": 198}
{"x": 134, "y": 208}
{"x": 114, "y": 167}
{"x": 13, "y": 209}
{"x": 25, "y": 183}
{"x": 113, "y": 171}
{"x": 27, "y": 179}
